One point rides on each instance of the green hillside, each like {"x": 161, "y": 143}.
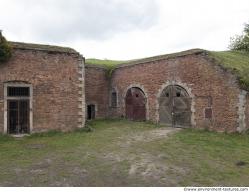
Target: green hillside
{"x": 237, "y": 61}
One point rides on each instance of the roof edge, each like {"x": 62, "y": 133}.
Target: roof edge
{"x": 161, "y": 57}
{"x": 148, "y": 59}
{"x": 42, "y": 47}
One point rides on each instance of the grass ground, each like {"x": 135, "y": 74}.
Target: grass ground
{"x": 123, "y": 153}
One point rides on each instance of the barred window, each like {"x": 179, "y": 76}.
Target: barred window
{"x": 18, "y": 92}
{"x": 114, "y": 99}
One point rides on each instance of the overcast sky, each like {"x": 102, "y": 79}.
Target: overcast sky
{"x": 124, "y": 29}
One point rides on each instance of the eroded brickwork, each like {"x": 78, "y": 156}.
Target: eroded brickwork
{"x": 247, "y": 112}
{"x": 56, "y": 83}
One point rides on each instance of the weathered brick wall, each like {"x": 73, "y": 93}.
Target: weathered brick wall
{"x": 247, "y": 111}
{"x": 55, "y": 79}
{"x": 97, "y": 88}
{"x": 198, "y": 75}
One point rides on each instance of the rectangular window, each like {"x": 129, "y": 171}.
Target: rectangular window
{"x": 18, "y": 116}
{"x": 18, "y": 109}
{"x": 18, "y": 92}
{"x": 114, "y": 99}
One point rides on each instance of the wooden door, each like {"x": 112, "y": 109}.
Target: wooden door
{"x": 135, "y": 104}
{"x": 175, "y": 107}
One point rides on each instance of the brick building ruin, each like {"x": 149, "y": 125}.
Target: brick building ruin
{"x": 42, "y": 88}
{"x": 51, "y": 88}
{"x": 186, "y": 89}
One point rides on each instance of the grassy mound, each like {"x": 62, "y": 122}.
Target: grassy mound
{"x": 238, "y": 61}
{"x": 108, "y": 64}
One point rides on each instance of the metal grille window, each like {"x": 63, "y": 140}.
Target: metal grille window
{"x": 18, "y": 92}
{"x": 18, "y": 116}
{"x": 114, "y": 99}
{"x": 18, "y": 108}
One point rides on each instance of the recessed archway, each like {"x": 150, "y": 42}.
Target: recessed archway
{"x": 175, "y": 107}
{"x": 135, "y": 104}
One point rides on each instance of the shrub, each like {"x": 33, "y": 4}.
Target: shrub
{"x": 5, "y": 49}
{"x": 241, "y": 42}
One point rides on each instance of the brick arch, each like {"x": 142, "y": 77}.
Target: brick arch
{"x": 17, "y": 81}
{"x": 188, "y": 90}
{"x": 141, "y": 87}
{"x": 10, "y": 79}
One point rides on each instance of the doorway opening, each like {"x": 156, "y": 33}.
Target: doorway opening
{"x": 18, "y": 110}
{"x": 135, "y": 104}
{"x": 175, "y": 107}
{"x": 90, "y": 112}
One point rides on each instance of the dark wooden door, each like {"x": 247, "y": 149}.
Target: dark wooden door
{"x": 18, "y": 116}
{"x": 175, "y": 107}
{"x": 135, "y": 104}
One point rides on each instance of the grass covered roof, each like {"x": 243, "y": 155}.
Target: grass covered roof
{"x": 235, "y": 61}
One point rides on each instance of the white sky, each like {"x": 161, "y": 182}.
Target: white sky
{"x": 125, "y": 29}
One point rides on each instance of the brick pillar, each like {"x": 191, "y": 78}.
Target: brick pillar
{"x": 81, "y": 92}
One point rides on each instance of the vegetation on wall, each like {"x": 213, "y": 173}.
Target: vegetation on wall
{"x": 5, "y": 49}
{"x": 241, "y": 42}
{"x": 108, "y": 64}
{"x": 237, "y": 61}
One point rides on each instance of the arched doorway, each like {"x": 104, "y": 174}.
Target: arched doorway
{"x": 175, "y": 107}
{"x": 135, "y": 104}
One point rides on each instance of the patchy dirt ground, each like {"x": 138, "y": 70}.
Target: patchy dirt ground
{"x": 96, "y": 159}
{"x": 123, "y": 153}
{"x": 145, "y": 136}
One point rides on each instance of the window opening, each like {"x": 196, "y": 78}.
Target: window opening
{"x": 18, "y": 92}
{"x": 18, "y": 110}
{"x": 114, "y": 99}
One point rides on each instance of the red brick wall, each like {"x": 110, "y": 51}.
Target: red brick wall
{"x": 202, "y": 77}
{"x": 97, "y": 92}
{"x": 55, "y": 80}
